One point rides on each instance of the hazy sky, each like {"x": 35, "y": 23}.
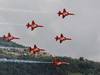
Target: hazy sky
{"x": 82, "y": 27}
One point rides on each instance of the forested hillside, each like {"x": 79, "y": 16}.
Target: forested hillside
{"x": 79, "y": 66}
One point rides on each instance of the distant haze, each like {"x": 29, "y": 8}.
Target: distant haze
{"x": 83, "y": 27}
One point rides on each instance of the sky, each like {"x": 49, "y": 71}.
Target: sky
{"x": 83, "y": 27}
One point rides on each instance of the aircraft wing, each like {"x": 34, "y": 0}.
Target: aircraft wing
{"x": 63, "y": 16}
{"x": 35, "y": 46}
{"x": 32, "y": 28}
{"x": 61, "y": 41}
{"x": 61, "y": 35}
{"x": 33, "y": 22}
{"x": 9, "y": 35}
{"x": 64, "y": 10}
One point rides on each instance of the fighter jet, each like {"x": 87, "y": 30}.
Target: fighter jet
{"x": 64, "y": 13}
{"x": 9, "y": 37}
{"x": 57, "y": 62}
{"x": 62, "y": 38}
{"x": 35, "y": 50}
{"x": 33, "y": 25}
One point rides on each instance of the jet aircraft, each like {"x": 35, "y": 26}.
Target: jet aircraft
{"x": 62, "y": 38}
{"x": 9, "y": 37}
{"x": 64, "y": 13}
{"x": 33, "y": 25}
{"x": 35, "y": 49}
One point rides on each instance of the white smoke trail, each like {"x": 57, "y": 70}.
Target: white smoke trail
{"x": 22, "y": 61}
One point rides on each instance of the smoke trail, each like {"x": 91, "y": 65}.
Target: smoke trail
{"x": 22, "y": 61}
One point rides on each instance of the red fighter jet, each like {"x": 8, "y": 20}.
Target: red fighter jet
{"x": 57, "y": 62}
{"x": 9, "y": 37}
{"x": 35, "y": 50}
{"x": 62, "y": 38}
{"x": 64, "y": 13}
{"x": 33, "y": 25}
